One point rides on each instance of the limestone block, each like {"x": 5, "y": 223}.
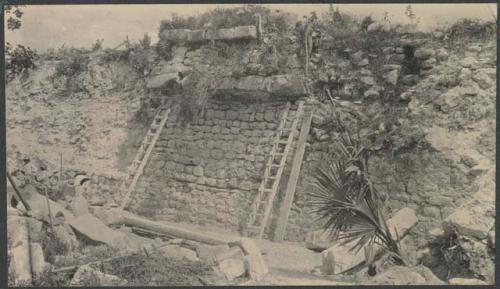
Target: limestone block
{"x": 232, "y": 268}
{"x": 470, "y": 220}
{"x": 177, "y": 252}
{"x": 424, "y": 53}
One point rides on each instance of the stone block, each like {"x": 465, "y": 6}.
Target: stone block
{"x": 470, "y": 220}
{"x": 255, "y": 267}
{"x": 177, "y": 252}
{"x": 424, "y": 53}
{"x": 232, "y": 268}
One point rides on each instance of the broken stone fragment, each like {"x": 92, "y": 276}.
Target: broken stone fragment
{"x": 371, "y": 93}
{"x": 392, "y": 77}
{"x": 424, "y": 53}
{"x": 470, "y": 220}
{"x": 177, "y": 252}
{"x": 232, "y": 268}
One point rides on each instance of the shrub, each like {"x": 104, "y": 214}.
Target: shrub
{"x": 276, "y": 21}
{"x": 155, "y": 270}
{"x": 19, "y": 60}
{"x": 72, "y": 65}
{"x": 472, "y": 30}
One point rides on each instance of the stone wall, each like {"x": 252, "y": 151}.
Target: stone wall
{"x": 207, "y": 172}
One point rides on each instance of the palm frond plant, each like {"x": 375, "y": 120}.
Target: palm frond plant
{"x": 343, "y": 195}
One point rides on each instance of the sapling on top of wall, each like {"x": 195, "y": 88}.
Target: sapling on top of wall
{"x": 343, "y": 195}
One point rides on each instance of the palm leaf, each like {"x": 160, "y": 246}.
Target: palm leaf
{"x": 343, "y": 196}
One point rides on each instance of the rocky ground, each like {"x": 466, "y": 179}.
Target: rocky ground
{"x": 439, "y": 119}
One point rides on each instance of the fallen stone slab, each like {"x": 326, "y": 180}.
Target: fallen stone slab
{"x": 283, "y": 85}
{"x": 171, "y": 229}
{"x": 92, "y": 228}
{"x": 337, "y": 259}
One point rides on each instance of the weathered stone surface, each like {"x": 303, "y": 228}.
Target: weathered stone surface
{"x": 162, "y": 79}
{"x": 255, "y": 267}
{"x": 392, "y": 77}
{"x": 248, "y": 246}
{"x": 178, "y": 53}
{"x": 371, "y": 93}
{"x": 463, "y": 281}
{"x": 175, "y": 68}
{"x": 233, "y": 252}
{"x": 178, "y": 252}
{"x": 285, "y": 85}
{"x": 442, "y": 54}
{"x": 232, "y": 268}
{"x": 209, "y": 253}
{"x": 25, "y": 255}
{"x": 469, "y": 62}
{"x": 289, "y": 85}
{"x": 367, "y": 80}
{"x": 483, "y": 80}
{"x": 470, "y": 221}
{"x": 424, "y": 53}
{"x": 79, "y": 205}
{"x": 181, "y": 35}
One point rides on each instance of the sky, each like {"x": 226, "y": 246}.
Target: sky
{"x": 51, "y": 26}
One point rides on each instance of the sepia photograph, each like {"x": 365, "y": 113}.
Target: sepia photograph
{"x": 250, "y": 144}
